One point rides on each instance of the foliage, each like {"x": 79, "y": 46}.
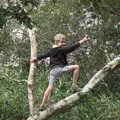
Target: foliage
{"x": 75, "y": 19}
{"x": 18, "y": 10}
{"x": 13, "y": 92}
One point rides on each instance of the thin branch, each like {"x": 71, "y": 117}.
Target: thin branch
{"x": 31, "y": 77}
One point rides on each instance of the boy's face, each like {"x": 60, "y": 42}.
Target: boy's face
{"x": 62, "y": 42}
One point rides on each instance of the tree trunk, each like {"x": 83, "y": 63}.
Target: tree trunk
{"x": 62, "y": 104}
{"x": 31, "y": 77}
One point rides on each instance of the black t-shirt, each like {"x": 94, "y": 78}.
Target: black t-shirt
{"x": 58, "y": 55}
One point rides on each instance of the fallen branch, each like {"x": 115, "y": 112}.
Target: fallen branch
{"x": 62, "y": 104}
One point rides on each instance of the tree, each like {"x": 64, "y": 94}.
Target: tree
{"x": 70, "y": 17}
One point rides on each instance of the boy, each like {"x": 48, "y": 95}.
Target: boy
{"x": 58, "y": 62}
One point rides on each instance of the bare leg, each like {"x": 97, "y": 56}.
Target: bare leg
{"x": 76, "y": 70}
{"x": 75, "y": 75}
{"x": 46, "y": 94}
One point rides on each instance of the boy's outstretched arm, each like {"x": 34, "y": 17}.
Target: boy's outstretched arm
{"x": 41, "y": 57}
{"x": 70, "y": 48}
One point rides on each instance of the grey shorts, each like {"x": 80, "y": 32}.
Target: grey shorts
{"x": 56, "y": 72}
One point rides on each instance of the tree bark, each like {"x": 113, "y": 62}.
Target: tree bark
{"x": 43, "y": 115}
{"x": 31, "y": 77}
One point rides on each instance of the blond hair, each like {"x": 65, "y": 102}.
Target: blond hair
{"x": 59, "y": 37}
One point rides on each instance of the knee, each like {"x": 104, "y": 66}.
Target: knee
{"x": 77, "y": 67}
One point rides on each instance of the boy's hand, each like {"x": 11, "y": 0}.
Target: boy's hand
{"x": 33, "y": 60}
{"x": 86, "y": 38}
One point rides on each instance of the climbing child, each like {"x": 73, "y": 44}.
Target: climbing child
{"x": 58, "y": 62}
